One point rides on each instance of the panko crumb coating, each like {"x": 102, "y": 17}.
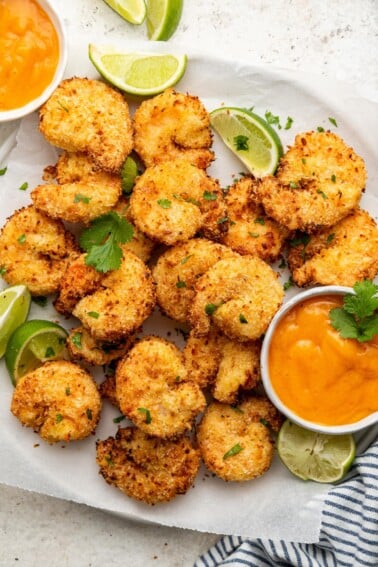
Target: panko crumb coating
{"x": 75, "y": 167}
{"x": 236, "y": 443}
{"x": 107, "y": 390}
{"x": 174, "y": 200}
{"x": 59, "y": 400}
{"x": 146, "y": 468}
{"x": 238, "y": 295}
{"x": 86, "y": 115}
{"x": 35, "y": 251}
{"x": 124, "y": 300}
{"x": 340, "y": 255}
{"x": 83, "y": 347}
{"x": 154, "y": 390}
{"x": 173, "y": 125}
{"x": 319, "y": 181}
{"x": 250, "y": 230}
{"x": 177, "y": 270}
{"x": 227, "y": 366}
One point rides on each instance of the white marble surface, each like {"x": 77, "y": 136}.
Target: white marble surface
{"x": 331, "y": 38}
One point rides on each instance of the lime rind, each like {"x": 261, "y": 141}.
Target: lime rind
{"x": 133, "y": 11}
{"x": 163, "y": 18}
{"x": 14, "y": 309}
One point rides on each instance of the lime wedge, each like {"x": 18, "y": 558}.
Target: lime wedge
{"x": 315, "y": 456}
{"x": 133, "y": 11}
{"x": 140, "y": 74}
{"x": 129, "y": 173}
{"x": 14, "y": 309}
{"x": 250, "y": 138}
{"x": 32, "y": 344}
{"x": 163, "y": 17}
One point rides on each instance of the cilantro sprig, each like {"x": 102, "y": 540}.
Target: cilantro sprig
{"x": 358, "y": 318}
{"x": 101, "y": 241}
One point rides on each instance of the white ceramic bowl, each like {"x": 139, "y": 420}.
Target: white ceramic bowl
{"x": 330, "y": 429}
{"x": 14, "y": 114}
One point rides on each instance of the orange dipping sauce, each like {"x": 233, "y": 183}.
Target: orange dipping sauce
{"x": 320, "y": 376}
{"x": 29, "y": 52}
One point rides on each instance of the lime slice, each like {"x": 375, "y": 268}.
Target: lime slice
{"x": 250, "y": 137}
{"x": 133, "y": 11}
{"x": 32, "y": 344}
{"x": 14, "y": 308}
{"x": 129, "y": 173}
{"x": 315, "y": 456}
{"x": 163, "y": 17}
{"x": 140, "y": 74}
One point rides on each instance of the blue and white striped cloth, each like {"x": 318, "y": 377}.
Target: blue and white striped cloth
{"x": 348, "y": 535}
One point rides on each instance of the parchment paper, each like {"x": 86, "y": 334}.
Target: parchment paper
{"x": 277, "y": 505}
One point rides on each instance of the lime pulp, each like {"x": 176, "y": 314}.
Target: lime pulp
{"x": 14, "y": 309}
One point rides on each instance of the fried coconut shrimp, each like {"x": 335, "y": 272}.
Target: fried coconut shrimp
{"x": 318, "y": 182}
{"x": 174, "y": 200}
{"x": 250, "y": 231}
{"x": 82, "y": 346}
{"x": 35, "y": 251}
{"x": 124, "y": 300}
{"x": 146, "y": 468}
{"x": 154, "y": 390}
{"x": 140, "y": 244}
{"x": 85, "y": 115}
{"x": 227, "y": 366}
{"x": 236, "y": 442}
{"x": 173, "y": 125}
{"x": 177, "y": 271}
{"x": 340, "y": 255}
{"x": 239, "y": 296}
{"x": 59, "y": 400}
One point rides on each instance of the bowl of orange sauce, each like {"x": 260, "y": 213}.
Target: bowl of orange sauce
{"x": 315, "y": 377}
{"x": 33, "y": 51}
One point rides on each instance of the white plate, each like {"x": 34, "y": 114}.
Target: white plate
{"x": 277, "y": 505}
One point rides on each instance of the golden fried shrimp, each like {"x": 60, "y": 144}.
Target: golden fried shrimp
{"x": 35, "y": 251}
{"x": 77, "y": 281}
{"x": 59, "y": 400}
{"x": 75, "y": 167}
{"x": 236, "y": 442}
{"x": 140, "y": 244}
{"x": 340, "y": 255}
{"x": 173, "y": 125}
{"x": 227, "y": 366}
{"x": 146, "y": 468}
{"x": 250, "y": 230}
{"x": 79, "y": 202}
{"x": 318, "y": 182}
{"x": 86, "y": 115}
{"x": 154, "y": 390}
{"x": 239, "y": 296}
{"x": 173, "y": 201}
{"x": 177, "y": 271}
{"x": 125, "y": 299}
{"x": 83, "y": 347}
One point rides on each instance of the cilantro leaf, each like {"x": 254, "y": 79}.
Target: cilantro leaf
{"x": 344, "y": 322}
{"x": 365, "y": 302}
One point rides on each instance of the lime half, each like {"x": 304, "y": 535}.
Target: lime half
{"x": 133, "y": 11}
{"x": 249, "y": 137}
{"x": 141, "y": 74}
{"x": 14, "y": 309}
{"x": 315, "y": 456}
{"x": 32, "y": 344}
{"x": 163, "y": 17}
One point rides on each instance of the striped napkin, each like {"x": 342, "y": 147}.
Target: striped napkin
{"x": 349, "y": 528}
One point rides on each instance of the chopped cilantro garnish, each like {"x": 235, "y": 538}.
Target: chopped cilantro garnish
{"x": 3, "y": 170}
{"x": 233, "y": 451}
{"x": 320, "y": 129}
{"x": 79, "y": 198}
{"x": 119, "y": 419}
{"x": 210, "y": 308}
{"x": 293, "y": 185}
{"x": 93, "y": 314}
{"x": 209, "y": 196}
{"x": 68, "y": 391}
{"x": 241, "y": 143}
{"x": 185, "y": 259}
{"x": 222, "y": 220}
{"x": 164, "y": 203}
{"x": 289, "y": 123}
{"x": 259, "y": 220}
{"x": 40, "y": 300}
{"x": 282, "y": 264}
{"x": 3, "y": 270}
{"x": 254, "y": 234}
{"x": 147, "y": 414}
{"x": 21, "y": 239}
{"x": 58, "y": 418}
{"x": 242, "y": 319}
{"x": 24, "y": 186}
{"x": 76, "y": 340}
{"x": 287, "y": 285}
{"x": 89, "y": 414}
{"x": 332, "y": 121}
{"x": 333, "y": 178}
{"x": 272, "y": 119}
{"x": 324, "y": 195}
{"x": 180, "y": 284}
{"x": 330, "y": 237}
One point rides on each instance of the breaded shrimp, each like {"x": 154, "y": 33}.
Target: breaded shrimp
{"x": 35, "y": 251}
{"x": 173, "y": 201}
{"x": 177, "y": 271}
{"x": 173, "y": 125}
{"x": 83, "y": 347}
{"x": 236, "y": 442}
{"x": 250, "y": 230}
{"x": 239, "y": 296}
{"x": 227, "y": 366}
{"x": 154, "y": 390}
{"x": 318, "y": 182}
{"x": 85, "y": 115}
{"x": 59, "y": 400}
{"x": 140, "y": 244}
{"x": 340, "y": 255}
{"x": 75, "y": 167}
{"x": 125, "y": 299}
{"x": 146, "y": 468}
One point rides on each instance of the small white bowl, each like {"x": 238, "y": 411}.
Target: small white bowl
{"x": 14, "y": 114}
{"x": 271, "y": 393}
